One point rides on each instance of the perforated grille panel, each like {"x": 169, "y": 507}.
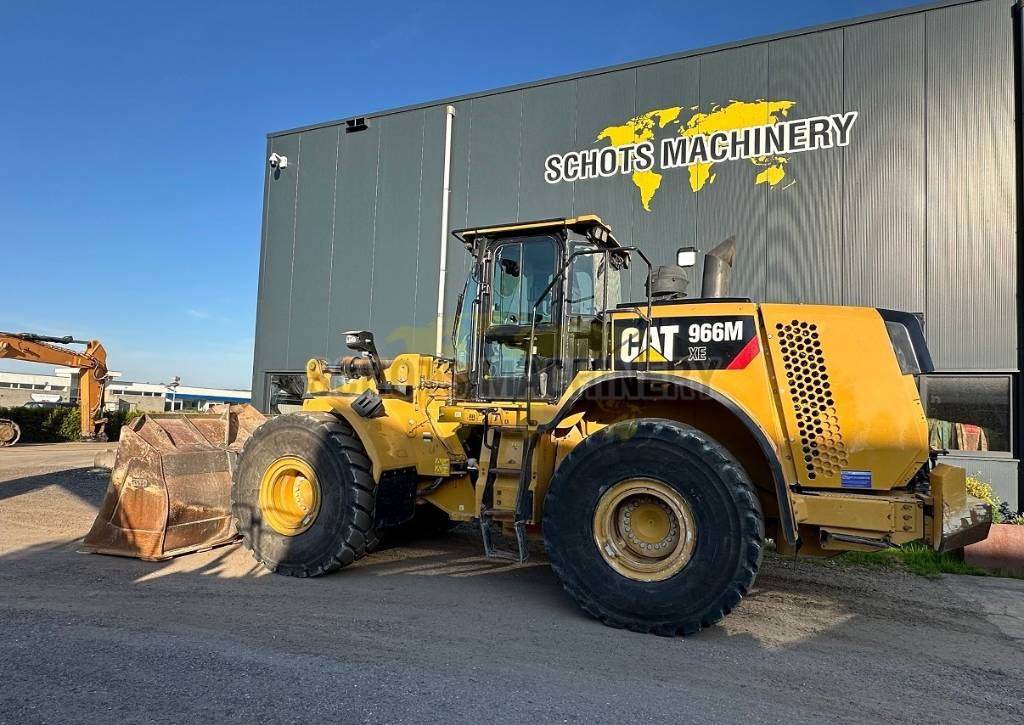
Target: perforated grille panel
{"x": 821, "y": 440}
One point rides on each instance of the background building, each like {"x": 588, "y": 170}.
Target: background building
{"x": 918, "y": 211}
{"x": 62, "y": 387}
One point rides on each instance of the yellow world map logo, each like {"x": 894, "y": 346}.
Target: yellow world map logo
{"x": 770, "y": 168}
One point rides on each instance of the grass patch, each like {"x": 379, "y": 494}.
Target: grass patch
{"x": 915, "y": 558}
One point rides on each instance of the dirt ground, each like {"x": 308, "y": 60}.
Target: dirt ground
{"x": 433, "y": 630}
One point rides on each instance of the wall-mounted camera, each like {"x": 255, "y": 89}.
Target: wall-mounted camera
{"x": 277, "y": 161}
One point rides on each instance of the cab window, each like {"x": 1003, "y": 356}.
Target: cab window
{"x": 522, "y": 270}
{"x": 463, "y": 341}
{"x": 587, "y": 284}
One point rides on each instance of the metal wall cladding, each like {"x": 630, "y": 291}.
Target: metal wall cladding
{"x": 804, "y": 215}
{"x": 730, "y": 202}
{"x": 971, "y": 185}
{"x": 671, "y": 222}
{"x": 884, "y": 172}
{"x": 917, "y": 213}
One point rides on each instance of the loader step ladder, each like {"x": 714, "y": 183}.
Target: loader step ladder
{"x": 487, "y": 520}
{"x": 493, "y": 552}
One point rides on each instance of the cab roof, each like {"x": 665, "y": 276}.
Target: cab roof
{"x": 587, "y": 224}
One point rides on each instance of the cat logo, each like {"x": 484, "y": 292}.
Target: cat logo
{"x": 697, "y": 342}
{"x": 655, "y": 344}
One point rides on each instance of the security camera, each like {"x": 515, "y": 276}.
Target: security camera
{"x": 277, "y": 161}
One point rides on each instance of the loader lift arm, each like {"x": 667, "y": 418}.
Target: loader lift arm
{"x": 91, "y": 364}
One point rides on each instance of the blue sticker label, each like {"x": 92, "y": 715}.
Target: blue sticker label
{"x": 856, "y": 479}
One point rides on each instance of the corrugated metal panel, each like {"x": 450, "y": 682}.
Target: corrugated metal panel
{"x": 805, "y": 208}
{"x": 671, "y": 222}
{"x": 730, "y": 202}
{"x": 1001, "y": 473}
{"x": 885, "y": 165}
{"x": 603, "y": 101}
{"x": 393, "y": 273}
{"x": 271, "y": 348}
{"x": 355, "y": 201}
{"x": 549, "y": 127}
{"x": 972, "y": 259}
{"x": 495, "y": 141}
{"x": 852, "y": 229}
{"x": 314, "y": 232}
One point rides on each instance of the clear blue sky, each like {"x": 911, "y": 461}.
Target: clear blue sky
{"x": 134, "y": 132}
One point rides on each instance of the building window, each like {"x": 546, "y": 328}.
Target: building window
{"x": 969, "y": 412}
{"x": 6, "y": 385}
{"x": 285, "y": 391}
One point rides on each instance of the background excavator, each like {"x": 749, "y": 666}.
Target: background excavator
{"x": 92, "y": 368}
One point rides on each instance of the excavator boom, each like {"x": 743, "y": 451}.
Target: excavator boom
{"x": 91, "y": 364}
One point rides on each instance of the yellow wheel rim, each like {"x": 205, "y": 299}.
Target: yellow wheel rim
{"x": 644, "y": 529}
{"x": 289, "y": 496}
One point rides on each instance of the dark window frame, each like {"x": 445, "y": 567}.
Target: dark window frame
{"x": 490, "y": 389}
{"x": 268, "y": 397}
{"x": 1011, "y": 406}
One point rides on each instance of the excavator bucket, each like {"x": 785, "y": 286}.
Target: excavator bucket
{"x": 170, "y": 488}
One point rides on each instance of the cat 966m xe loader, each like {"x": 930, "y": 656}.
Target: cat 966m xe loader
{"x": 653, "y": 444}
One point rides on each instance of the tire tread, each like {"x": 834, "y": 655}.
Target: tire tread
{"x": 752, "y": 549}
{"x": 359, "y": 536}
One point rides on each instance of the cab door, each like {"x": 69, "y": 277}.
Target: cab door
{"x": 518, "y": 272}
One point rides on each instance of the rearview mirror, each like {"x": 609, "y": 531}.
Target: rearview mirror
{"x": 509, "y": 267}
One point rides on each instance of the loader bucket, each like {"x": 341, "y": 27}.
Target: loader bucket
{"x": 170, "y": 488}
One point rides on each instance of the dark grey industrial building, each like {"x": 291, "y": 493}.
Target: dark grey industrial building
{"x": 919, "y": 210}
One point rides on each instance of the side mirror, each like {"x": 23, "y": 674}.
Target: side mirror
{"x": 510, "y": 267}
{"x": 686, "y": 257}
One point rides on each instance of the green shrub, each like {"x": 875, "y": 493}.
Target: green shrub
{"x": 43, "y": 425}
{"x": 67, "y": 422}
{"x": 59, "y": 425}
{"x": 118, "y": 419}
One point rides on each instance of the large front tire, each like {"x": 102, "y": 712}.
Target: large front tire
{"x": 303, "y": 495}
{"x": 652, "y": 525}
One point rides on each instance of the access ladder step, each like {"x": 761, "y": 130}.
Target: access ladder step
{"x": 491, "y": 551}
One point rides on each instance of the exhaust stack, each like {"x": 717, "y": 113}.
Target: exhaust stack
{"x": 718, "y": 265}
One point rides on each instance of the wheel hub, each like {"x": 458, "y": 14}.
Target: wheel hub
{"x": 9, "y": 433}
{"x": 289, "y": 496}
{"x": 648, "y": 525}
{"x": 644, "y": 529}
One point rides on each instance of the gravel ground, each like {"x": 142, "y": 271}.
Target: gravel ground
{"x": 432, "y": 630}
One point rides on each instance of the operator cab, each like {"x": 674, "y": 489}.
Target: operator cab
{"x": 551, "y": 282}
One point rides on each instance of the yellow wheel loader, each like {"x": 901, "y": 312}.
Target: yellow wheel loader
{"x": 653, "y": 445}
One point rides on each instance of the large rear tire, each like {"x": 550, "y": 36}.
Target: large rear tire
{"x": 10, "y": 433}
{"x": 303, "y": 495}
{"x": 652, "y": 525}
